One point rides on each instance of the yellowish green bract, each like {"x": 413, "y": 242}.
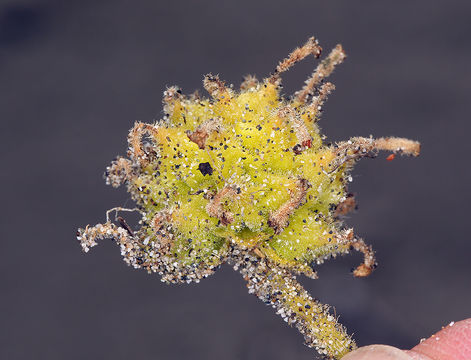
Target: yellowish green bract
{"x": 244, "y": 177}
{"x": 252, "y": 151}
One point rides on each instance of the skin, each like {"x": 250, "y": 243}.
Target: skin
{"x": 453, "y": 342}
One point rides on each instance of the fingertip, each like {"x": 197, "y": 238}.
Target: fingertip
{"x": 453, "y": 342}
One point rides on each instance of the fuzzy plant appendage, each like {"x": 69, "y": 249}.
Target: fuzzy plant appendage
{"x": 245, "y": 178}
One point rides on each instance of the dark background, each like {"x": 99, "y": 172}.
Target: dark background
{"x": 75, "y": 75}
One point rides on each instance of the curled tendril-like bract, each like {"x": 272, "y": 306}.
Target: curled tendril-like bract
{"x": 244, "y": 177}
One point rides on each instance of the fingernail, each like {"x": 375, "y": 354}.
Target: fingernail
{"x": 377, "y": 352}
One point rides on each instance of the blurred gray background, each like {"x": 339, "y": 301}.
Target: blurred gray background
{"x": 75, "y": 75}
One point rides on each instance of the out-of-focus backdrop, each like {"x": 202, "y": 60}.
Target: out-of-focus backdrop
{"x": 75, "y": 75}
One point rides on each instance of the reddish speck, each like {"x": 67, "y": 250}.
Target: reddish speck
{"x": 307, "y": 143}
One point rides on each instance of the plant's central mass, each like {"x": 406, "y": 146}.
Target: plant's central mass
{"x": 244, "y": 177}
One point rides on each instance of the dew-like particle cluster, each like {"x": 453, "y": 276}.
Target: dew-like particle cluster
{"x": 244, "y": 177}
